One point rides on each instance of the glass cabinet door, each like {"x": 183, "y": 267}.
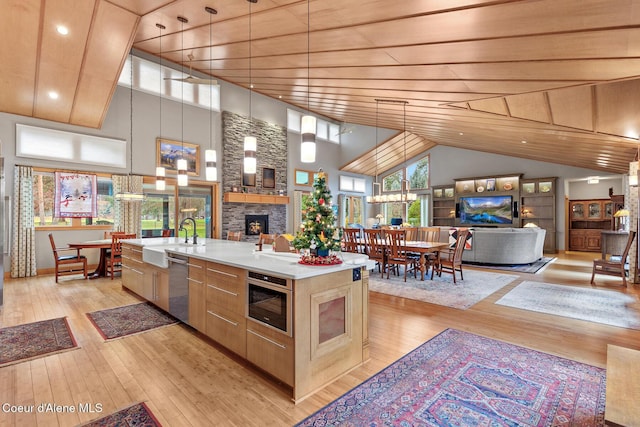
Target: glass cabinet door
{"x": 577, "y": 211}
{"x": 595, "y": 210}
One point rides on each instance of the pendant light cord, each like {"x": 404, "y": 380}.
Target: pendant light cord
{"x": 211, "y": 12}
{"x": 183, "y": 20}
{"x": 160, "y": 27}
{"x": 308, "y": 55}
{"x": 250, "y": 77}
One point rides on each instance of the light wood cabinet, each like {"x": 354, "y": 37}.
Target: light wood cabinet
{"x": 197, "y": 296}
{"x": 538, "y": 206}
{"x": 271, "y": 351}
{"x": 225, "y": 296}
{"x": 155, "y": 286}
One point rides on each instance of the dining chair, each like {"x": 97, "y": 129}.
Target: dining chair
{"x": 397, "y": 254}
{"x": 113, "y": 263}
{"x": 234, "y": 235}
{"x": 67, "y": 264}
{"x": 450, "y": 261}
{"x": 351, "y": 240}
{"x": 412, "y": 233}
{"x": 374, "y": 246}
{"x": 613, "y": 264}
{"x": 267, "y": 239}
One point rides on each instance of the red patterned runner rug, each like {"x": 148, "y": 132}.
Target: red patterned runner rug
{"x": 460, "y": 379}
{"x": 138, "y": 415}
{"x": 32, "y": 340}
{"x": 128, "y": 320}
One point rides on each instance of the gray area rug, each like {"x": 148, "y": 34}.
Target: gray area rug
{"x": 532, "y": 268}
{"x": 476, "y": 286}
{"x": 593, "y": 305}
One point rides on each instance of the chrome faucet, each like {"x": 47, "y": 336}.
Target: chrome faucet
{"x": 186, "y": 237}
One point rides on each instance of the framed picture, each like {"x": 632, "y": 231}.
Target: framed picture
{"x": 268, "y": 178}
{"x": 248, "y": 179}
{"x": 491, "y": 184}
{"x": 168, "y": 152}
{"x": 302, "y": 177}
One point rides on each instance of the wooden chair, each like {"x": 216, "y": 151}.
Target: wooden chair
{"x": 451, "y": 261}
{"x": 374, "y": 246}
{"x": 397, "y": 254}
{"x": 267, "y": 239}
{"x": 113, "y": 263}
{"x": 350, "y": 240}
{"x": 167, "y": 233}
{"x": 613, "y": 265}
{"x": 68, "y": 264}
{"x": 428, "y": 234}
{"x": 234, "y": 235}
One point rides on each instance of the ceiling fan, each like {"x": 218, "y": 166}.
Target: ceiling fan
{"x": 191, "y": 79}
{"x": 344, "y": 129}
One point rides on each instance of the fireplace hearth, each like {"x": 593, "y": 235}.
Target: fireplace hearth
{"x": 256, "y": 224}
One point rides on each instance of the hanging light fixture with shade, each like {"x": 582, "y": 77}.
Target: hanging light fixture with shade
{"x": 210, "y": 155}
{"x": 376, "y": 196}
{"x": 308, "y": 122}
{"x": 250, "y": 141}
{"x": 633, "y": 167}
{"x": 130, "y": 195}
{"x": 183, "y": 178}
{"x": 160, "y": 170}
{"x": 405, "y": 191}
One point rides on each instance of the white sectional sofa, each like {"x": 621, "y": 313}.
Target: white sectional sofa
{"x": 502, "y": 245}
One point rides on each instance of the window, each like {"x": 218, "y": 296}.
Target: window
{"x": 392, "y": 182}
{"x": 416, "y": 212}
{"x": 418, "y": 174}
{"x": 325, "y": 130}
{"x": 43, "y": 195}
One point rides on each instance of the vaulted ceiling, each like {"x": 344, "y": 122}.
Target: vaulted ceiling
{"x": 548, "y": 80}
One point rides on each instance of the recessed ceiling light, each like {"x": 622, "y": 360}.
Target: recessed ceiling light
{"x": 62, "y": 30}
{"x": 251, "y": 86}
{"x": 53, "y": 94}
{"x": 461, "y": 133}
{"x": 524, "y": 141}
{"x": 279, "y": 96}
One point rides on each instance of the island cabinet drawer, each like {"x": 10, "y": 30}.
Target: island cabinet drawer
{"x": 132, "y": 253}
{"x": 226, "y": 277}
{"x": 229, "y": 297}
{"x": 197, "y": 269}
{"x": 227, "y": 328}
{"x": 271, "y": 351}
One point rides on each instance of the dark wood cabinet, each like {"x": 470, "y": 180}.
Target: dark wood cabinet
{"x": 587, "y": 219}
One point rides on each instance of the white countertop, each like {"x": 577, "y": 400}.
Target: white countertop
{"x": 244, "y": 255}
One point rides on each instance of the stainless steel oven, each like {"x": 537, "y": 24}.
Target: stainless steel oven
{"x": 269, "y": 301}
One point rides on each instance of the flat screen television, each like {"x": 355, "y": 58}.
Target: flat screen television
{"x": 486, "y": 210}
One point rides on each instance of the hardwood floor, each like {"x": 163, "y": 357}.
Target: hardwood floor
{"x": 188, "y": 381}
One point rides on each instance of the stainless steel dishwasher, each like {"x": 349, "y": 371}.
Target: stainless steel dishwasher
{"x": 178, "y": 287}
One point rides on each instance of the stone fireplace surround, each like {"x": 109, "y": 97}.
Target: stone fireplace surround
{"x": 271, "y": 153}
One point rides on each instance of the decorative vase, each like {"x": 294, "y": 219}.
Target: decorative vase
{"x": 323, "y": 252}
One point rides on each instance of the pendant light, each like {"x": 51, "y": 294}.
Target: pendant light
{"x": 308, "y": 122}
{"x": 376, "y": 196}
{"x": 183, "y": 178}
{"x": 210, "y": 155}
{"x": 633, "y": 168}
{"x": 250, "y": 142}
{"x": 405, "y": 191}
{"x": 130, "y": 195}
{"x": 160, "y": 170}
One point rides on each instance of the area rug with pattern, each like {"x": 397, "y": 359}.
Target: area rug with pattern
{"x": 594, "y": 305}
{"x": 138, "y": 415}
{"x": 532, "y": 268}
{"x": 461, "y": 379}
{"x": 25, "y": 342}
{"x": 476, "y": 286}
{"x": 130, "y": 319}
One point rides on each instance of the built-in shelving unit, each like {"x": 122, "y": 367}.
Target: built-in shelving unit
{"x": 538, "y": 207}
{"x": 444, "y": 206}
{"x": 255, "y": 198}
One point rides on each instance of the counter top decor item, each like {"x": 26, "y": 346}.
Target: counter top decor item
{"x": 320, "y": 260}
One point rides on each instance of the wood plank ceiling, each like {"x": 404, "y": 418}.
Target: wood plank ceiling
{"x": 549, "y": 80}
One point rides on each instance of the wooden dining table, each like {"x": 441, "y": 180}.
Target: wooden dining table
{"x": 421, "y": 247}
{"x": 104, "y": 245}
{"x": 425, "y": 248}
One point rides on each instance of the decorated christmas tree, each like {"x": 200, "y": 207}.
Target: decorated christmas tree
{"x": 318, "y": 231}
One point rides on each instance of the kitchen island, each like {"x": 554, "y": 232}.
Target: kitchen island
{"x": 304, "y": 325}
